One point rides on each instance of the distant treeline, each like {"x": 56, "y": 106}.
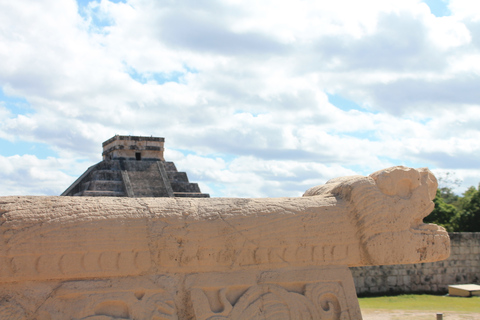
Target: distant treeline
{"x": 457, "y": 213}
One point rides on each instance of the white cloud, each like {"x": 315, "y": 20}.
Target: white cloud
{"x": 458, "y": 180}
{"x": 252, "y": 177}
{"x": 465, "y": 9}
{"x": 243, "y": 93}
{"x": 28, "y": 175}
{"x": 448, "y": 32}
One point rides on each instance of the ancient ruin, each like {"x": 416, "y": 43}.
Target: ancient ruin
{"x": 214, "y": 258}
{"x": 134, "y": 166}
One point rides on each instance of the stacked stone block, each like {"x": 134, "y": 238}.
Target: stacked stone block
{"x": 130, "y": 178}
{"x": 463, "y": 266}
{"x": 134, "y": 166}
{"x": 179, "y": 181}
{"x": 145, "y": 179}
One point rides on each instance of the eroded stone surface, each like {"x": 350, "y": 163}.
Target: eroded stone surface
{"x": 92, "y": 258}
{"x": 325, "y": 293}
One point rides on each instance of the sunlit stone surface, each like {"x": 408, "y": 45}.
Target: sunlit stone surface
{"x": 213, "y": 258}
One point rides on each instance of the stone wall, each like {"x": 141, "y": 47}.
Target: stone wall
{"x": 463, "y": 266}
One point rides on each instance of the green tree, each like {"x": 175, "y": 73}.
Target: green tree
{"x": 445, "y": 213}
{"x": 448, "y": 196}
{"x": 469, "y": 218}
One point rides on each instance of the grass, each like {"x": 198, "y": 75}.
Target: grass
{"x": 422, "y": 302}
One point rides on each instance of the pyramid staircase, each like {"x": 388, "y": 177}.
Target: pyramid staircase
{"x": 130, "y": 178}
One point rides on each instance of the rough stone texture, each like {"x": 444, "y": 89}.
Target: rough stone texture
{"x": 130, "y": 178}
{"x": 133, "y": 148}
{"x": 187, "y": 258}
{"x": 463, "y": 266}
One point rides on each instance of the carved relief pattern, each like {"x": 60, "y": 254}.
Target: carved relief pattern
{"x": 108, "y": 301}
{"x": 67, "y": 265}
{"x": 270, "y": 301}
{"x": 283, "y": 258}
{"x": 324, "y": 300}
{"x": 191, "y": 256}
{"x": 92, "y": 264}
{"x": 330, "y": 300}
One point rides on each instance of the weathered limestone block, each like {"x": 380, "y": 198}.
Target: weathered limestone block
{"x": 215, "y": 258}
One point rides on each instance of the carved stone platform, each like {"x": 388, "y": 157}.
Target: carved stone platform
{"x": 179, "y": 258}
{"x": 303, "y": 293}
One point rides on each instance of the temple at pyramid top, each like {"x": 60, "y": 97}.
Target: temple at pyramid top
{"x": 133, "y": 148}
{"x": 134, "y": 166}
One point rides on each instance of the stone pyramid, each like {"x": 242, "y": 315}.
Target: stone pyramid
{"x": 134, "y": 166}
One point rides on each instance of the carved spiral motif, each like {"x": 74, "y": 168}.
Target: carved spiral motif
{"x": 323, "y": 300}
{"x": 328, "y": 299}
{"x": 273, "y": 302}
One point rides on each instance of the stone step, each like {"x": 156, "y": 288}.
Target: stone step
{"x": 106, "y": 185}
{"x": 106, "y": 175}
{"x": 185, "y": 187}
{"x": 174, "y": 176}
{"x": 148, "y": 183}
{"x": 135, "y": 179}
{"x": 191, "y": 195}
{"x": 170, "y": 166}
{"x": 102, "y": 193}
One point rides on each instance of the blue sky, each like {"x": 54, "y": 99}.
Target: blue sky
{"x": 250, "y": 105}
{"x": 438, "y": 7}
